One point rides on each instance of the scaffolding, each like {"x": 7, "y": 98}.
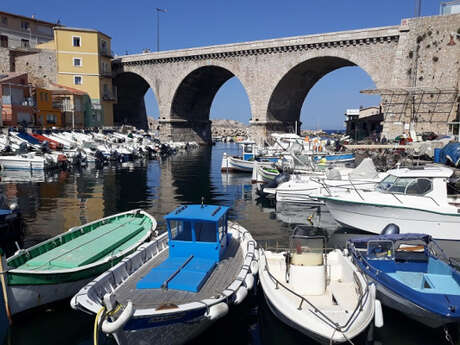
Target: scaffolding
{"x": 417, "y": 104}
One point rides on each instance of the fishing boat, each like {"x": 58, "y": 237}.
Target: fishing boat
{"x": 27, "y": 161}
{"x": 246, "y": 161}
{"x": 318, "y": 292}
{"x": 172, "y": 289}
{"x": 57, "y": 268}
{"x": 412, "y": 275}
{"x": 418, "y": 198}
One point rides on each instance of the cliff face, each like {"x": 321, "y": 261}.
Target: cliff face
{"x": 223, "y": 127}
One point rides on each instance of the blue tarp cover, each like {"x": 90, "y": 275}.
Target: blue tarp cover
{"x": 450, "y": 152}
{"x": 392, "y": 237}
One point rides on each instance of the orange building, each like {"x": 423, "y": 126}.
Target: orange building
{"x": 16, "y": 98}
{"x": 47, "y": 114}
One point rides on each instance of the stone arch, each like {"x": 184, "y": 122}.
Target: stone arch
{"x": 193, "y": 97}
{"x": 130, "y": 107}
{"x": 286, "y": 100}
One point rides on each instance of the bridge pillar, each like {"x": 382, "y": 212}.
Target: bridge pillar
{"x": 259, "y": 130}
{"x": 186, "y": 130}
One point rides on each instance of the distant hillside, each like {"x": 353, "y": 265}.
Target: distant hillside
{"x": 227, "y": 123}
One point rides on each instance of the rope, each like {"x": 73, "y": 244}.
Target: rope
{"x": 4, "y": 290}
{"x": 96, "y": 325}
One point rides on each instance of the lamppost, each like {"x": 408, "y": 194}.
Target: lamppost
{"x": 158, "y": 26}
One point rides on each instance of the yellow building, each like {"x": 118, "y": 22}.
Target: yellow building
{"x": 83, "y": 59}
{"x": 47, "y": 114}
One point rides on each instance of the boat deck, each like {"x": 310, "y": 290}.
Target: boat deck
{"x": 221, "y": 277}
{"x": 104, "y": 240}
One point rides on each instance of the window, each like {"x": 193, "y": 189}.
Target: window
{"x": 4, "y": 20}
{"x": 77, "y": 79}
{"x": 77, "y": 62}
{"x": 51, "y": 119}
{"x": 181, "y": 230}
{"x": 3, "y": 41}
{"x": 205, "y": 232}
{"x": 103, "y": 47}
{"x": 76, "y": 41}
{"x": 25, "y": 26}
{"x": 405, "y": 185}
{"x": 25, "y": 43}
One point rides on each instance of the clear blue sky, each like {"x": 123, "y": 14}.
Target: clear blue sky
{"x": 132, "y": 26}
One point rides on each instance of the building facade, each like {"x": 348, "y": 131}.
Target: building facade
{"x": 18, "y": 106}
{"x": 364, "y": 123}
{"x": 48, "y": 114}
{"x": 83, "y": 60}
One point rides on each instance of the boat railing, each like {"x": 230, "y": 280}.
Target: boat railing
{"x": 316, "y": 311}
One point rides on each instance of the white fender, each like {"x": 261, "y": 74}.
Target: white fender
{"x": 216, "y": 311}
{"x": 378, "y": 314}
{"x": 241, "y": 294}
{"x": 249, "y": 281}
{"x": 254, "y": 267}
{"x": 256, "y": 254}
{"x": 111, "y": 327}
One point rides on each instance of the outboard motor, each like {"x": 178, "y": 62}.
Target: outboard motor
{"x": 23, "y": 148}
{"x": 283, "y": 177}
{"x": 45, "y": 147}
{"x": 390, "y": 229}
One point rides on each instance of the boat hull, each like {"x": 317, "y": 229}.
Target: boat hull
{"x": 373, "y": 218}
{"x": 394, "y": 301}
{"x": 230, "y": 163}
{"x": 14, "y": 163}
{"x": 174, "y": 331}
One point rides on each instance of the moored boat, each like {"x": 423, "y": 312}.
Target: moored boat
{"x": 57, "y": 268}
{"x": 321, "y": 294}
{"x": 172, "y": 289}
{"x": 412, "y": 275}
{"x": 421, "y": 198}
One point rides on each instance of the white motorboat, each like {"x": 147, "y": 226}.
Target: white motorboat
{"x": 300, "y": 189}
{"x": 419, "y": 199}
{"x": 321, "y": 294}
{"x": 28, "y": 161}
{"x": 245, "y": 162}
{"x": 173, "y": 288}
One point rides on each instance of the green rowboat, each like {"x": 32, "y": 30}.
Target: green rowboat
{"x": 57, "y": 268}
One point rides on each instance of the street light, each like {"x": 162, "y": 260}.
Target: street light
{"x": 158, "y": 26}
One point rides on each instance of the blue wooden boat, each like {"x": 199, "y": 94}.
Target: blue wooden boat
{"x": 412, "y": 275}
{"x": 173, "y": 288}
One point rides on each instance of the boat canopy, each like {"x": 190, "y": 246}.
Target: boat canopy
{"x": 392, "y": 237}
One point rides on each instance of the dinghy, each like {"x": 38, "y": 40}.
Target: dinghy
{"x": 321, "y": 294}
{"x": 412, "y": 275}
{"x": 57, "y": 268}
{"x": 172, "y": 289}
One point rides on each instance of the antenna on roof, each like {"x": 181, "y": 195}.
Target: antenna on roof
{"x": 202, "y": 201}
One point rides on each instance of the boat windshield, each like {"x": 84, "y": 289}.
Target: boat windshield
{"x": 380, "y": 250}
{"x": 405, "y": 185}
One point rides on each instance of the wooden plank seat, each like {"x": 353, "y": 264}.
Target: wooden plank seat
{"x": 190, "y": 277}
{"x": 87, "y": 248}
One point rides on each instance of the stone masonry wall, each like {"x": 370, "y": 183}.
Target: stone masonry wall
{"x": 5, "y": 63}
{"x": 428, "y": 58}
{"x": 40, "y": 66}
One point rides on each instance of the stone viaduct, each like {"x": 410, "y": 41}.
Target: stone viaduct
{"x": 277, "y": 75}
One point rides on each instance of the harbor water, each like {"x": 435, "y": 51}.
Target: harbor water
{"x": 51, "y": 203}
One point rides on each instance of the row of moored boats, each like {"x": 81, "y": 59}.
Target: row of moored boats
{"x": 21, "y": 150}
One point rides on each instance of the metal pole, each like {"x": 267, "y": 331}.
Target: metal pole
{"x": 158, "y": 30}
